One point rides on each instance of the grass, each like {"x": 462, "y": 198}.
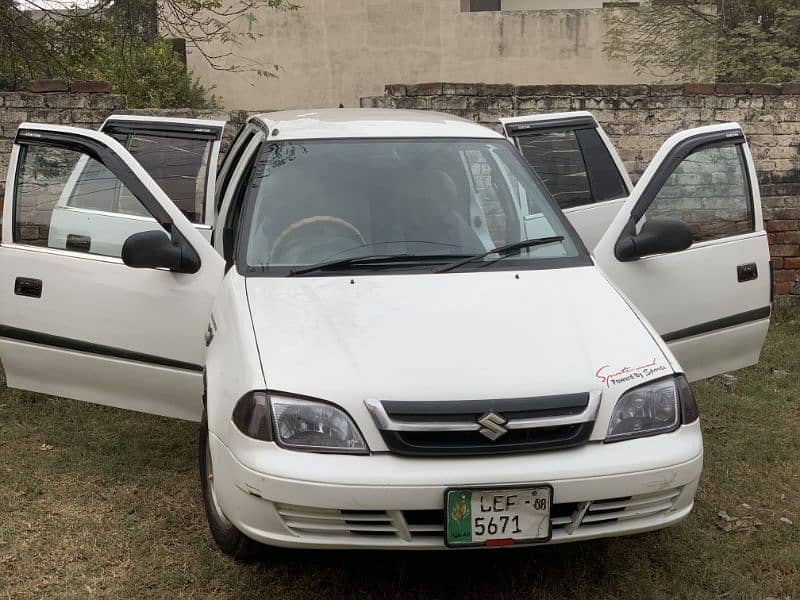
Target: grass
{"x": 98, "y": 501}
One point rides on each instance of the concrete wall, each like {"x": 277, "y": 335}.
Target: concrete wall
{"x": 639, "y": 118}
{"x": 333, "y": 51}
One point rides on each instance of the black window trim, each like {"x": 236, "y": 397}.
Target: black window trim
{"x": 583, "y": 258}
{"x": 162, "y": 129}
{"x": 525, "y": 127}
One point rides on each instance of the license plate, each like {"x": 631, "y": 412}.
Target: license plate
{"x": 497, "y": 517}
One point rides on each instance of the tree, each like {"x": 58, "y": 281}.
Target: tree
{"x": 128, "y": 43}
{"x": 717, "y": 40}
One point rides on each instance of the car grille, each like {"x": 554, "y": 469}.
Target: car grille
{"x": 417, "y": 525}
{"x": 474, "y": 427}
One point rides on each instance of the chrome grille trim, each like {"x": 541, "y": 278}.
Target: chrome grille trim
{"x": 386, "y": 423}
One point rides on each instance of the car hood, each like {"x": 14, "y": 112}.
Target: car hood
{"x": 454, "y": 336}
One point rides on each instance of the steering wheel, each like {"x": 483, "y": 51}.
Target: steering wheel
{"x": 348, "y": 228}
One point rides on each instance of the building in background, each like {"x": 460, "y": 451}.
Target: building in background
{"x": 337, "y": 51}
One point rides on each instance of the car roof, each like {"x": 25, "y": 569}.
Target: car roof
{"x": 330, "y": 123}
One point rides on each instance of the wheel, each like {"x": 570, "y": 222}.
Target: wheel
{"x": 229, "y": 539}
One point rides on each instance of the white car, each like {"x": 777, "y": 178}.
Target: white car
{"x": 395, "y": 337}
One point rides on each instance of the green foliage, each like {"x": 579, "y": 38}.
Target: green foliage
{"x": 83, "y": 47}
{"x": 724, "y": 40}
{"x": 153, "y": 76}
{"x": 752, "y": 52}
{"x": 119, "y": 42}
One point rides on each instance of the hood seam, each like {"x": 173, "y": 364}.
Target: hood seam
{"x": 255, "y": 336}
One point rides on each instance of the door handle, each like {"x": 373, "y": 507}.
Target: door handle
{"x": 747, "y": 272}
{"x": 25, "y": 286}
{"x": 78, "y": 243}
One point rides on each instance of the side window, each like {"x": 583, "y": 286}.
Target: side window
{"x": 557, "y": 159}
{"x": 605, "y": 178}
{"x": 95, "y": 188}
{"x": 710, "y": 191}
{"x": 574, "y": 164}
{"x": 179, "y": 166}
{"x": 67, "y": 200}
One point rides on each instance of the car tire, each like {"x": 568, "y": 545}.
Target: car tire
{"x": 229, "y": 539}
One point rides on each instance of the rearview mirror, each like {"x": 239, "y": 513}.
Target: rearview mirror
{"x": 154, "y": 250}
{"x": 659, "y": 235}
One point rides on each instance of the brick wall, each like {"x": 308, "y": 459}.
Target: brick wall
{"x": 89, "y": 110}
{"x": 81, "y": 109}
{"x": 639, "y": 118}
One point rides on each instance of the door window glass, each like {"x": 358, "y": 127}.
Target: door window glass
{"x": 575, "y": 165}
{"x": 708, "y": 190}
{"x": 557, "y": 159}
{"x": 67, "y": 200}
{"x": 605, "y": 178}
{"x": 179, "y": 166}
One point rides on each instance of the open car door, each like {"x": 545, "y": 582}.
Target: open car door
{"x": 180, "y": 154}
{"x": 578, "y": 164}
{"x": 689, "y": 250}
{"x": 75, "y": 321}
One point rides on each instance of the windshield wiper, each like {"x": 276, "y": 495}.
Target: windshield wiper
{"x": 370, "y": 259}
{"x": 502, "y": 251}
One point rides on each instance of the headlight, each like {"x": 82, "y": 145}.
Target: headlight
{"x": 314, "y": 426}
{"x": 299, "y": 424}
{"x": 651, "y": 409}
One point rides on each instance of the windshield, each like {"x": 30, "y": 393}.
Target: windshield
{"x": 423, "y": 201}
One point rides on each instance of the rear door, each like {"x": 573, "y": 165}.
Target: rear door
{"x": 579, "y": 165}
{"x": 181, "y": 155}
{"x": 75, "y": 321}
{"x": 711, "y": 300}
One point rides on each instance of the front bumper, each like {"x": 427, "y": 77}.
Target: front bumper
{"x": 297, "y": 499}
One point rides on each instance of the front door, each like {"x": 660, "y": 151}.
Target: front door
{"x": 74, "y": 320}
{"x": 180, "y": 154}
{"x": 711, "y": 300}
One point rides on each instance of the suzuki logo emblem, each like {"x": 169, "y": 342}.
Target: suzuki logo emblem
{"x": 492, "y": 426}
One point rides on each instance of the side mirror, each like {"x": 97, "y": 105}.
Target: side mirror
{"x": 154, "y": 250}
{"x": 659, "y": 235}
